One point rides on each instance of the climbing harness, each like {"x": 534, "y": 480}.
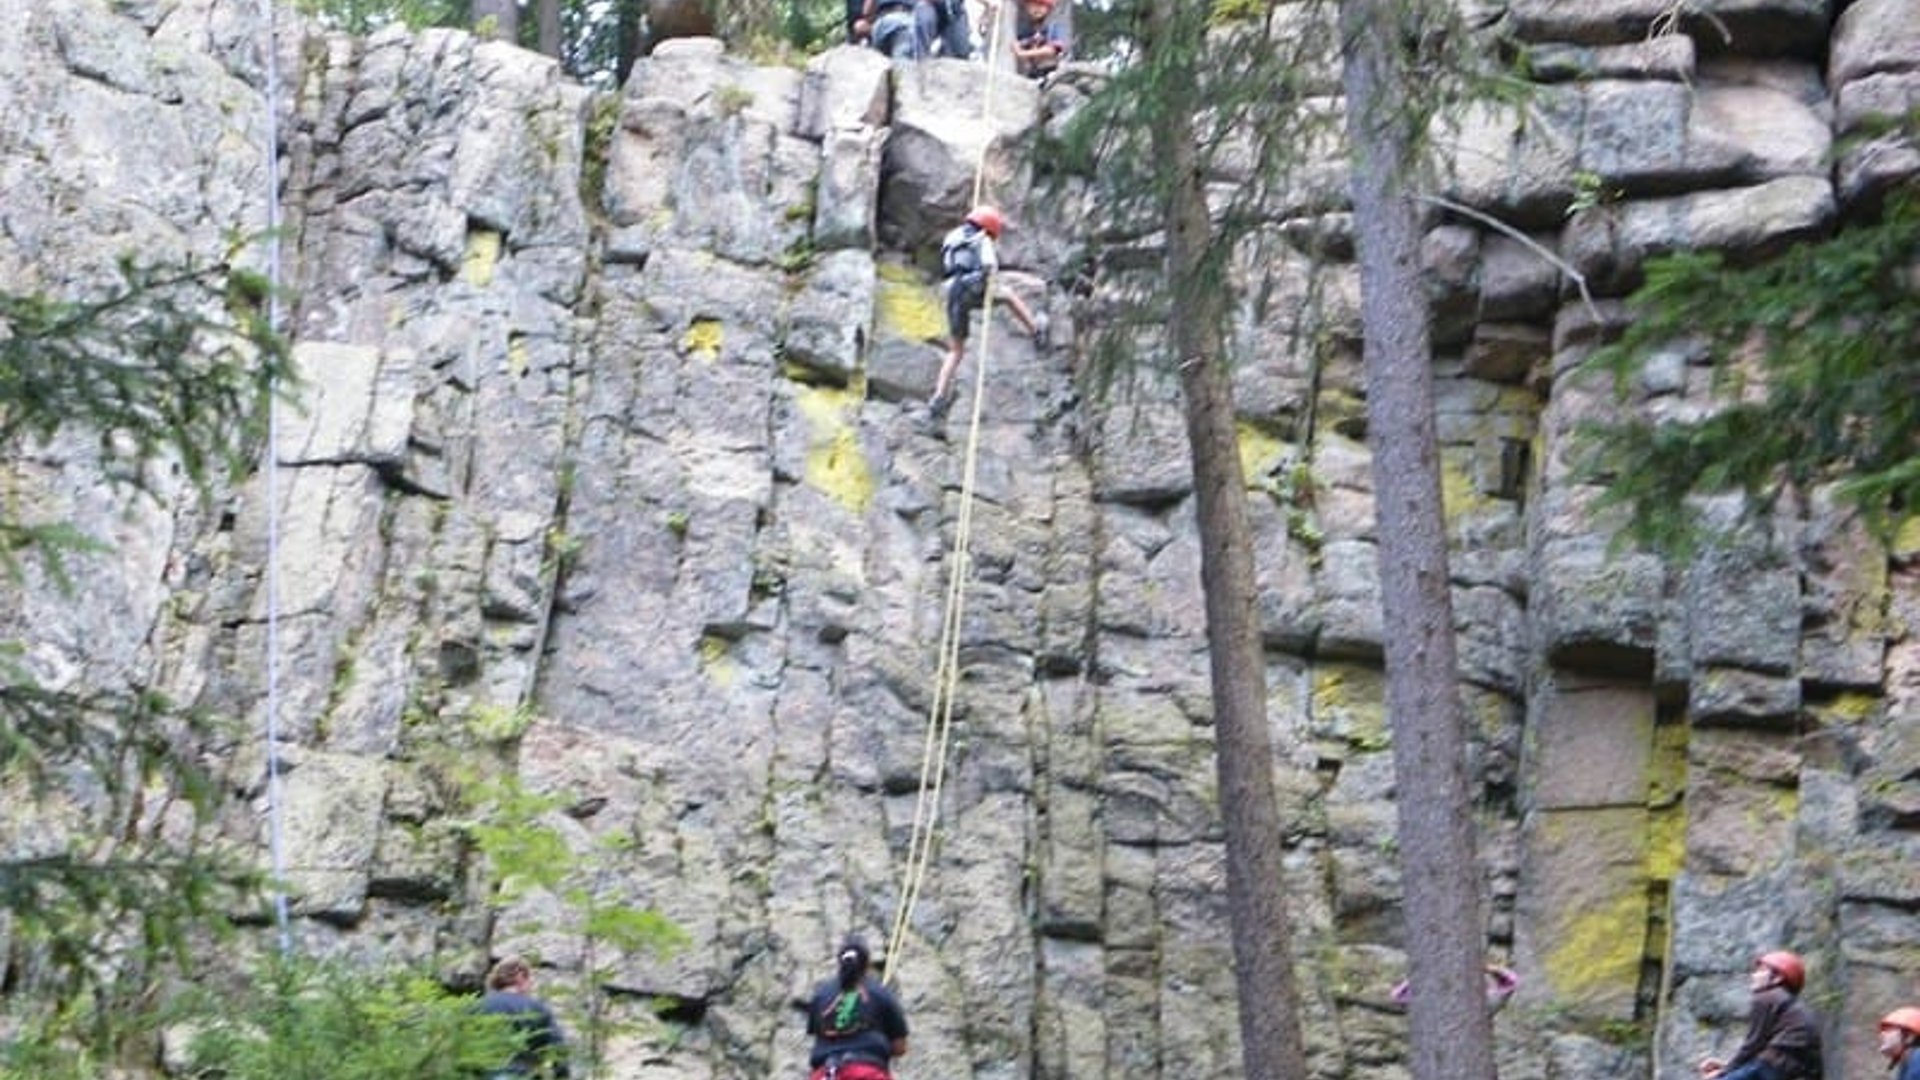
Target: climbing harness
{"x": 933, "y": 760}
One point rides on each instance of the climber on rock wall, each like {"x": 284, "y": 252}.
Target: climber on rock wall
{"x": 969, "y": 259}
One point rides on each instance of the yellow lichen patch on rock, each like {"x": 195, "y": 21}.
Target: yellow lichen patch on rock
{"x": 703, "y": 339}
{"x": 1597, "y": 950}
{"x": 835, "y": 463}
{"x": 1459, "y": 494}
{"x": 1666, "y": 843}
{"x": 1261, "y": 453}
{"x": 482, "y": 256}
{"x": 1342, "y": 410}
{"x": 906, "y": 307}
{"x": 1848, "y": 708}
{"x": 1350, "y": 702}
{"x": 1906, "y": 538}
{"x": 1667, "y": 770}
{"x": 518, "y": 356}
{"x": 1666, "y": 806}
{"x": 1783, "y": 807}
{"x": 716, "y": 660}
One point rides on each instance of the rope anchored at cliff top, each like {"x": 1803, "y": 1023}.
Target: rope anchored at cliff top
{"x": 939, "y": 732}
{"x": 276, "y": 812}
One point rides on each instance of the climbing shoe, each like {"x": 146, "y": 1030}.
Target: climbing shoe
{"x": 938, "y": 404}
{"x": 1041, "y": 325}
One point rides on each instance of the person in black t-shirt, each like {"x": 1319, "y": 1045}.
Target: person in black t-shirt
{"x": 857, "y": 1024}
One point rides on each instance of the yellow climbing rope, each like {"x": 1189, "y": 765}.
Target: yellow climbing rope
{"x": 933, "y": 759}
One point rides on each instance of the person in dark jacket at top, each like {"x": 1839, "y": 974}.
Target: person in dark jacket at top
{"x": 1783, "y": 1036}
{"x": 857, "y": 1024}
{"x": 543, "y": 1048}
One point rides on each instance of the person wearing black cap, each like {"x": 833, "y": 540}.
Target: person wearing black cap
{"x": 857, "y": 1024}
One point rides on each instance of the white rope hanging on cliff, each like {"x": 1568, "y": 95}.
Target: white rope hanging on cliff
{"x": 276, "y": 838}
{"x": 933, "y": 760}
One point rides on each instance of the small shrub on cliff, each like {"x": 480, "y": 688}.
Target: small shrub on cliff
{"x": 525, "y": 851}
{"x": 340, "y": 1021}
{"x": 1815, "y": 359}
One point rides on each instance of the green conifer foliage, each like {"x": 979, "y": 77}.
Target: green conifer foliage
{"x": 106, "y": 869}
{"x": 1815, "y": 367}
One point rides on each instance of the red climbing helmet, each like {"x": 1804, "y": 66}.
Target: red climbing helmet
{"x": 987, "y": 219}
{"x": 1788, "y": 967}
{"x": 1906, "y": 1018}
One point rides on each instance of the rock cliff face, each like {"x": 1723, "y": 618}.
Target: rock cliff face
{"x": 608, "y": 475}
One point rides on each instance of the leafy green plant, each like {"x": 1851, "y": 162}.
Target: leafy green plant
{"x": 49, "y": 1051}
{"x": 1296, "y": 489}
{"x": 603, "y": 123}
{"x": 563, "y": 548}
{"x": 491, "y": 723}
{"x": 799, "y": 256}
{"x": 366, "y": 16}
{"x": 525, "y": 852}
{"x": 733, "y": 99}
{"x": 1590, "y": 190}
{"x": 321, "y": 1020}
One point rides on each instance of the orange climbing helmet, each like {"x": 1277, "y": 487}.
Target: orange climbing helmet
{"x": 1906, "y": 1018}
{"x": 987, "y": 219}
{"x": 1787, "y": 967}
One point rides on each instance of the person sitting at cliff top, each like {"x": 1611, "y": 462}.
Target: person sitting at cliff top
{"x": 910, "y": 29}
{"x": 1040, "y": 41}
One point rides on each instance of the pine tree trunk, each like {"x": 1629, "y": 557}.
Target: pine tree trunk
{"x": 1450, "y": 1031}
{"x": 631, "y": 33}
{"x": 1270, "y": 1039}
{"x": 547, "y": 21}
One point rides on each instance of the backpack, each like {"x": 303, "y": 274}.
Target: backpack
{"x": 960, "y": 252}
{"x": 847, "y": 1015}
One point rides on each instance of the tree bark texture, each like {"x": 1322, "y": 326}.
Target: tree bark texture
{"x": 1450, "y": 1030}
{"x": 630, "y": 21}
{"x": 1270, "y": 1038}
{"x": 547, "y": 24}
